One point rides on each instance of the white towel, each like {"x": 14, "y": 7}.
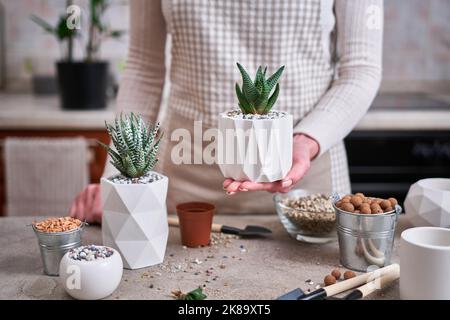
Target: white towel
{"x": 44, "y": 175}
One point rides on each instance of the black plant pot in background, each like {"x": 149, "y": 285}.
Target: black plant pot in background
{"x": 83, "y": 85}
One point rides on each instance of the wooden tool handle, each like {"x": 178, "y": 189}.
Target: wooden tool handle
{"x": 173, "y": 222}
{"x": 380, "y": 283}
{"x": 360, "y": 280}
{"x": 216, "y": 227}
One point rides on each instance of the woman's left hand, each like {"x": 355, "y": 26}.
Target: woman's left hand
{"x": 304, "y": 150}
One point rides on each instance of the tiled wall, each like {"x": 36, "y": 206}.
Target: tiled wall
{"x": 417, "y": 38}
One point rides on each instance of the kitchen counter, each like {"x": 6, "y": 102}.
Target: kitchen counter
{"x": 241, "y": 269}
{"x": 26, "y": 112}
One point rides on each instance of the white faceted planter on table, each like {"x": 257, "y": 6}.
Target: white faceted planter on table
{"x": 428, "y": 203}
{"x": 258, "y": 150}
{"x": 134, "y": 221}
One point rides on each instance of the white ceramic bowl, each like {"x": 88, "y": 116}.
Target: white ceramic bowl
{"x": 428, "y": 203}
{"x": 91, "y": 280}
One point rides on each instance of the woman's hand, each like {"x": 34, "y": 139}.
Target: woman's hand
{"x": 304, "y": 150}
{"x": 88, "y": 205}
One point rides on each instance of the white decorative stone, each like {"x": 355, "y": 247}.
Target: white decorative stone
{"x": 428, "y": 203}
{"x": 258, "y": 150}
{"x": 134, "y": 221}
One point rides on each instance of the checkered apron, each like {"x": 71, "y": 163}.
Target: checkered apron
{"x": 209, "y": 37}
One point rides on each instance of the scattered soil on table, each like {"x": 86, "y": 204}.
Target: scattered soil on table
{"x": 205, "y": 266}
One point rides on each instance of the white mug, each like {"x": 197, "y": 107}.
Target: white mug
{"x": 425, "y": 264}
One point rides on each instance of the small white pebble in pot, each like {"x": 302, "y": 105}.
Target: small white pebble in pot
{"x": 237, "y": 114}
{"x": 90, "y": 253}
{"x": 148, "y": 178}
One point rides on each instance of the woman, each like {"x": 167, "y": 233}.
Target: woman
{"x": 332, "y": 53}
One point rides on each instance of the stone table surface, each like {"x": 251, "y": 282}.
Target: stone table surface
{"x": 240, "y": 268}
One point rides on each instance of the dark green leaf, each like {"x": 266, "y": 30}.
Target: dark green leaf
{"x": 243, "y": 103}
{"x": 273, "y": 80}
{"x": 259, "y": 79}
{"x": 131, "y": 170}
{"x": 248, "y": 87}
{"x": 43, "y": 24}
{"x": 196, "y": 294}
{"x": 272, "y": 99}
{"x": 63, "y": 31}
{"x": 116, "y": 33}
{"x": 119, "y": 167}
{"x": 113, "y": 153}
{"x": 261, "y": 102}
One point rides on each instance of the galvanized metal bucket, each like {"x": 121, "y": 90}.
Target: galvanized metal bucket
{"x": 365, "y": 240}
{"x": 53, "y": 246}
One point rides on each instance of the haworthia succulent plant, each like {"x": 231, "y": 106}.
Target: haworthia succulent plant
{"x": 255, "y": 95}
{"x": 135, "y": 145}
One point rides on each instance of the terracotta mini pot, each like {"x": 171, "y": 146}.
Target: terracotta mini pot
{"x": 195, "y": 223}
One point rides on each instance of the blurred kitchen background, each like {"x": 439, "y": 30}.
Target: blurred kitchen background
{"x": 404, "y": 137}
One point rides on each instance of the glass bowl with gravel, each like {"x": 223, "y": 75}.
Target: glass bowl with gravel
{"x": 307, "y": 216}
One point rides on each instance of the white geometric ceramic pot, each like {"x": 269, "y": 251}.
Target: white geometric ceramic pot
{"x": 91, "y": 280}
{"x": 258, "y": 150}
{"x": 134, "y": 221}
{"x": 428, "y": 203}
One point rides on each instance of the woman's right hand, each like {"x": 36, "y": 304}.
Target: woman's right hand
{"x": 88, "y": 205}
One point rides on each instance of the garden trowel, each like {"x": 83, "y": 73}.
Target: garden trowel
{"x": 248, "y": 231}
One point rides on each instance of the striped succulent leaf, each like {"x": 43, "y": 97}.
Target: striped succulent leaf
{"x": 255, "y": 98}
{"x": 135, "y": 150}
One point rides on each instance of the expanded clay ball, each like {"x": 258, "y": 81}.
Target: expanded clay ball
{"x": 349, "y": 274}
{"x": 385, "y": 204}
{"x": 336, "y": 273}
{"x": 346, "y": 199}
{"x": 374, "y": 206}
{"x": 364, "y": 205}
{"x": 356, "y": 201}
{"x": 359, "y": 203}
{"x": 393, "y": 201}
{"x": 347, "y": 206}
{"x": 329, "y": 280}
{"x": 365, "y": 210}
{"x": 377, "y": 211}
